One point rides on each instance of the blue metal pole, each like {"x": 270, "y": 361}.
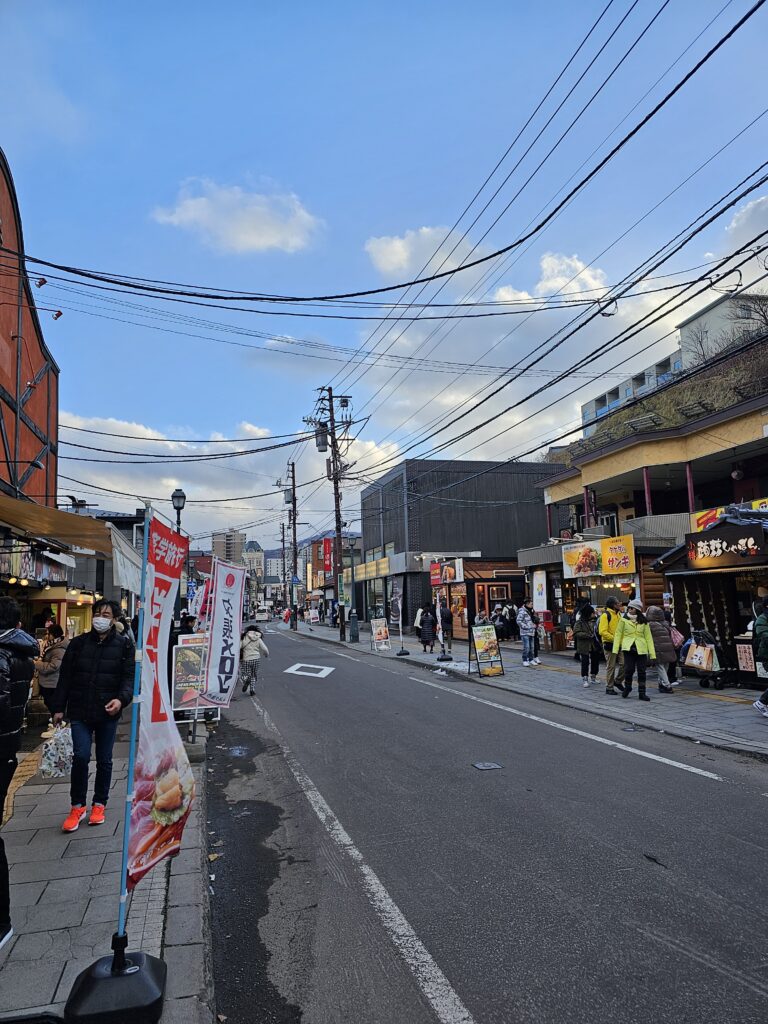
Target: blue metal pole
{"x": 134, "y": 731}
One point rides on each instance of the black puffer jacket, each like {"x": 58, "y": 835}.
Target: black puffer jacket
{"x": 17, "y": 649}
{"x": 93, "y": 672}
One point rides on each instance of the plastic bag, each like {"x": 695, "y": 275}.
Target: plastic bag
{"x": 56, "y": 760}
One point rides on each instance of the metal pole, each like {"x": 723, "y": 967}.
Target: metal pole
{"x": 294, "y": 591}
{"x": 336, "y": 467}
{"x": 139, "y": 656}
{"x": 647, "y": 489}
{"x": 689, "y": 484}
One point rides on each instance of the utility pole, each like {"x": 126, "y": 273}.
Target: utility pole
{"x": 285, "y": 581}
{"x": 294, "y": 591}
{"x": 326, "y": 433}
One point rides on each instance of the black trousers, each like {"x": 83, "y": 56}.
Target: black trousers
{"x": 590, "y": 663}
{"x": 7, "y": 768}
{"x": 632, "y": 661}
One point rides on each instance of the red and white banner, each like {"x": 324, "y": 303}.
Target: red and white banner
{"x": 224, "y": 626}
{"x": 199, "y": 605}
{"x": 164, "y": 787}
{"x": 327, "y": 555}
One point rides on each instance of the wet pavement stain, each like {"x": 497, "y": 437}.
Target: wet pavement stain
{"x": 244, "y": 874}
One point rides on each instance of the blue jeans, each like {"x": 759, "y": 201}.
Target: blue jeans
{"x": 83, "y": 734}
{"x": 528, "y": 648}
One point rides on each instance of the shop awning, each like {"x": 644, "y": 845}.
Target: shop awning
{"x": 40, "y": 521}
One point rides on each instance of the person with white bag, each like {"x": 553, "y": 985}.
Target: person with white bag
{"x": 17, "y": 649}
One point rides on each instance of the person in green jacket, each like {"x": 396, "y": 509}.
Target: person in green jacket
{"x": 633, "y": 638}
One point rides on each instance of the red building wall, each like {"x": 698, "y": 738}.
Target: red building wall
{"x": 29, "y": 376}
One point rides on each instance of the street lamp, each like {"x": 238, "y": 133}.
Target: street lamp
{"x": 179, "y": 500}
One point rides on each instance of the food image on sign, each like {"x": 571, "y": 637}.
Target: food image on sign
{"x": 164, "y": 789}
{"x": 188, "y": 668}
{"x": 380, "y": 633}
{"x": 487, "y": 651}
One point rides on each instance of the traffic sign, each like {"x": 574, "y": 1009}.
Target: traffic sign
{"x": 296, "y": 582}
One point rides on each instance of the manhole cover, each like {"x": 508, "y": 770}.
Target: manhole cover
{"x": 486, "y": 766}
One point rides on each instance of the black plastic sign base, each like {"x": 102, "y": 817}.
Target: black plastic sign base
{"x": 134, "y": 996}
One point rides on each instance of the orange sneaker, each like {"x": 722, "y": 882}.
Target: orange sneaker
{"x": 73, "y": 819}
{"x": 97, "y": 814}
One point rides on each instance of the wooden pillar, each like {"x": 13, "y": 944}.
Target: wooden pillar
{"x": 647, "y": 487}
{"x": 689, "y": 482}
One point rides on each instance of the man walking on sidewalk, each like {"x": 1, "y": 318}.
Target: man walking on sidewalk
{"x": 615, "y": 662}
{"x": 17, "y": 649}
{"x": 95, "y": 684}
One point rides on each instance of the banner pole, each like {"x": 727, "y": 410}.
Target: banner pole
{"x": 119, "y": 959}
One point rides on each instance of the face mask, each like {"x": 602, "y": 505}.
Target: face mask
{"x": 101, "y": 624}
{"x": 632, "y": 613}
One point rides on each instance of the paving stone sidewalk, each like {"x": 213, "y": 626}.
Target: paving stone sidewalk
{"x": 64, "y": 902}
{"x": 722, "y": 718}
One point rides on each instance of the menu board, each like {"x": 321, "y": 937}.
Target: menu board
{"x": 487, "y": 651}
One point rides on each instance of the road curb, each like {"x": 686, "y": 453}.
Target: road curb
{"x": 670, "y": 729}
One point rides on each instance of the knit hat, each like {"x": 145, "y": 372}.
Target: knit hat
{"x": 637, "y": 605}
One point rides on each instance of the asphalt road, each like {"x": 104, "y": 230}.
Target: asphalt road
{"x": 370, "y": 874}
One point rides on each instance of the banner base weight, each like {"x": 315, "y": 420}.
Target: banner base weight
{"x": 118, "y": 990}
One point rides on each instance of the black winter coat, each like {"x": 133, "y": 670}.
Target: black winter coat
{"x": 428, "y": 628}
{"x": 17, "y": 649}
{"x": 93, "y": 672}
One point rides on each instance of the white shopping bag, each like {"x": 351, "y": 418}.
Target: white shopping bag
{"x": 56, "y": 761}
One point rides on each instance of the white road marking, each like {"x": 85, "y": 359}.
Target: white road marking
{"x": 349, "y": 656}
{"x": 437, "y": 990}
{"x": 318, "y": 671}
{"x": 574, "y": 732}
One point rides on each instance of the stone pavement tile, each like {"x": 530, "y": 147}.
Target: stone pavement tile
{"x": 31, "y": 983}
{"x": 83, "y": 888}
{"x": 21, "y": 820}
{"x": 113, "y": 861}
{"x": 185, "y": 891}
{"x": 186, "y": 862}
{"x": 29, "y": 797}
{"x": 26, "y": 894}
{"x": 37, "y": 786}
{"x": 183, "y": 926}
{"x": 16, "y": 839}
{"x": 50, "y": 869}
{"x": 186, "y": 1011}
{"x": 71, "y": 970}
{"x": 191, "y": 838}
{"x": 102, "y": 844}
{"x": 87, "y": 941}
{"x": 46, "y": 845}
{"x": 45, "y": 916}
{"x": 39, "y": 805}
{"x": 186, "y": 970}
{"x": 102, "y": 909}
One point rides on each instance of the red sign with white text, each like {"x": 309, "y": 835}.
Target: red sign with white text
{"x": 327, "y": 555}
{"x": 163, "y": 785}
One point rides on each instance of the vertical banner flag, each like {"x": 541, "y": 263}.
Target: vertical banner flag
{"x": 224, "y": 627}
{"x": 439, "y": 626}
{"x": 163, "y": 784}
{"x": 327, "y": 555}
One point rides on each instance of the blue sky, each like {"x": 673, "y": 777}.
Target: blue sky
{"x": 270, "y": 149}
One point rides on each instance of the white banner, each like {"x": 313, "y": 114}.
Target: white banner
{"x": 539, "y": 590}
{"x": 126, "y": 563}
{"x": 163, "y": 785}
{"x": 224, "y": 627}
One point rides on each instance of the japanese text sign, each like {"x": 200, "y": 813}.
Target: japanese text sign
{"x": 223, "y": 635}
{"x": 726, "y": 547}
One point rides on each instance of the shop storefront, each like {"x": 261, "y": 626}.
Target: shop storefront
{"x": 471, "y": 586}
{"x": 715, "y": 577}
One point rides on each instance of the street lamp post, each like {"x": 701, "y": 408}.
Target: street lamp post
{"x": 179, "y": 500}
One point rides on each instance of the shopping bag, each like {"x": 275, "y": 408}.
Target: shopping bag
{"x": 677, "y": 637}
{"x": 56, "y": 760}
{"x": 700, "y": 656}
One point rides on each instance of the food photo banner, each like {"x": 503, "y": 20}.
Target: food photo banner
{"x": 604, "y": 556}
{"x": 164, "y": 787}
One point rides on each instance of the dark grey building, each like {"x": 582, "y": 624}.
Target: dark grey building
{"x": 433, "y": 507}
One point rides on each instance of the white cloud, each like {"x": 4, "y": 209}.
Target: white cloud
{"x": 396, "y": 255}
{"x": 748, "y": 221}
{"x": 230, "y": 219}
{"x": 568, "y": 275}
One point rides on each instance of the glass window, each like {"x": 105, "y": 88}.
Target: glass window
{"x": 627, "y": 392}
